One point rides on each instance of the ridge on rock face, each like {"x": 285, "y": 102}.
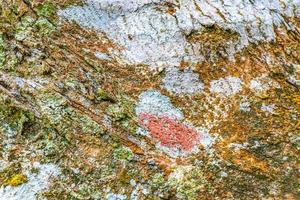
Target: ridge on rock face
{"x": 155, "y": 32}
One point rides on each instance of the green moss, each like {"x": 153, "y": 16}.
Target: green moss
{"x": 157, "y": 180}
{"x": 189, "y": 181}
{"x": 24, "y": 28}
{"x": 44, "y": 26}
{"x": 12, "y": 120}
{"x": 64, "y": 118}
{"x": 2, "y": 50}
{"x": 102, "y": 95}
{"x": 123, "y": 113}
{"x": 46, "y": 10}
{"x": 123, "y": 154}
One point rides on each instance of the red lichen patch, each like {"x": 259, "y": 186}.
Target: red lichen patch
{"x": 169, "y": 132}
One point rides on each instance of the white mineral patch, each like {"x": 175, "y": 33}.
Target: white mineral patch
{"x": 182, "y": 82}
{"x": 205, "y": 138}
{"x": 245, "y": 106}
{"x": 179, "y": 173}
{"x": 153, "y": 36}
{"x": 36, "y": 184}
{"x": 268, "y": 109}
{"x": 294, "y": 78}
{"x": 226, "y": 86}
{"x": 3, "y": 165}
{"x": 113, "y": 196}
{"x": 153, "y": 102}
{"x": 263, "y": 83}
{"x": 102, "y": 56}
{"x": 176, "y": 152}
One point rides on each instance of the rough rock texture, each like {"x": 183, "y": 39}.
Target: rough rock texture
{"x": 149, "y": 99}
{"x": 158, "y": 32}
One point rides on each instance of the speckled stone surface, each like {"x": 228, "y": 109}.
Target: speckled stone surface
{"x": 149, "y": 99}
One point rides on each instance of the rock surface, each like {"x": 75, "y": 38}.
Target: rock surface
{"x": 149, "y": 99}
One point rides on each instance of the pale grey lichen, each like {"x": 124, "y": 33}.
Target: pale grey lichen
{"x": 263, "y": 83}
{"x": 153, "y": 102}
{"x": 245, "y": 107}
{"x": 113, "y": 196}
{"x": 268, "y": 109}
{"x": 102, "y": 56}
{"x": 227, "y": 86}
{"x": 155, "y": 37}
{"x": 182, "y": 82}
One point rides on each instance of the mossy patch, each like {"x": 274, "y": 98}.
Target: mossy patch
{"x": 44, "y": 26}
{"x": 24, "y": 28}
{"x": 12, "y": 120}
{"x": 2, "y": 50}
{"x": 123, "y": 113}
{"x": 189, "y": 182}
{"x": 123, "y": 154}
{"x": 46, "y": 10}
{"x": 103, "y": 95}
{"x": 66, "y": 119}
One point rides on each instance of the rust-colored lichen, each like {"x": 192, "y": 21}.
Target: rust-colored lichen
{"x": 170, "y": 132}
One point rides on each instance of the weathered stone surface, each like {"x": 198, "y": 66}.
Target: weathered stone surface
{"x": 149, "y": 99}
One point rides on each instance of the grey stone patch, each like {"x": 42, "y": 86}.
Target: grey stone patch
{"x": 159, "y": 39}
{"x": 107, "y": 121}
{"x": 182, "y": 82}
{"x": 293, "y": 77}
{"x": 113, "y": 196}
{"x": 102, "y": 56}
{"x": 206, "y": 139}
{"x": 176, "y": 152}
{"x": 245, "y": 106}
{"x": 153, "y": 102}
{"x": 263, "y": 83}
{"x": 37, "y": 183}
{"x": 268, "y": 109}
{"x": 227, "y": 86}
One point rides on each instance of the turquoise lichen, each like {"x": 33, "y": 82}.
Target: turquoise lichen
{"x": 123, "y": 154}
